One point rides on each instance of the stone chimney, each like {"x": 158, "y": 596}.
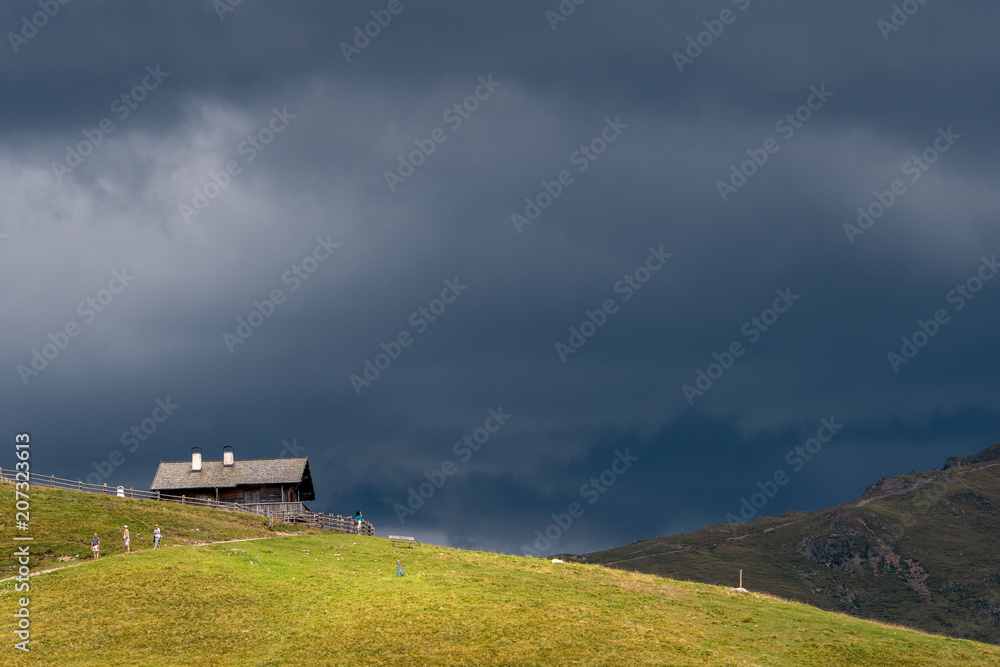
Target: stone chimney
{"x": 227, "y": 456}
{"x": 196, "y": 459}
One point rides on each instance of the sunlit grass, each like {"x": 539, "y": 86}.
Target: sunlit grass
{"x": 334, "y": 599}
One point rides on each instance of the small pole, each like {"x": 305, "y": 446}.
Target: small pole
{"x": 741, "y": 578}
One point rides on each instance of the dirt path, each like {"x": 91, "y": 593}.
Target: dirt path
{"x": 84, "y": 561}
{"x": 689, "y": 547}
{"x": 923, "y": 484}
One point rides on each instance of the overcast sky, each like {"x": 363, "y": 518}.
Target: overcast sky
{"x": 633, "y": 229}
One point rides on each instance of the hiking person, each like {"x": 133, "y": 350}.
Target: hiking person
{"x": 128, "y": 541}
{"x": 156, "y": 537}
{"x": 357, "y": 521}
{"x": 95, "y": 545}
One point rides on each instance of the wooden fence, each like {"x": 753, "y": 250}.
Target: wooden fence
{"x": 286, "y": 512}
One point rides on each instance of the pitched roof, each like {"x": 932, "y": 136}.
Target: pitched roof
{"x": 178, "y": 475}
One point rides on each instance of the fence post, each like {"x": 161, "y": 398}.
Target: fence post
{"x": 182, "y": 499}
{"x": 104, "y": 490}
{"x": 52, "y": 480}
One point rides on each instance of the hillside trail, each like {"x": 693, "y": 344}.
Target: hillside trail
{"x": 85, "y": 561}
{"x": 959, "y": 472}
{"x": 689, "y": 547}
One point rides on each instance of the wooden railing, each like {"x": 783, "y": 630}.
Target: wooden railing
{"x": 286, "y": 512}
{"x": 300, "y": 514}
{"x": 276, "y": 509}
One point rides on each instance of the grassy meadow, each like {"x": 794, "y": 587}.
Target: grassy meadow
{"x": 320, "y": 598}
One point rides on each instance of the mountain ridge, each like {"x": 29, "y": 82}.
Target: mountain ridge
{"x": 914, "y": 549}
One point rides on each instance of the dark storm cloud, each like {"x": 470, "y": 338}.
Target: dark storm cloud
{"x": 321, "y": 180}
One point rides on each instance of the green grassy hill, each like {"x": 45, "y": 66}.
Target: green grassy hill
{"x": 918, "y": 549}
{"x": 62, "y": 524}
{"x": 322, "y": 598}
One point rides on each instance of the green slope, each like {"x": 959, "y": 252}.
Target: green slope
{"x": 919, "y": 549}
{"x": 62, "y": 524}
{"x": 334, "y": 599}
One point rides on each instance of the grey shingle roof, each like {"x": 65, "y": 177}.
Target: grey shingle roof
{"x": 178, "y": 475}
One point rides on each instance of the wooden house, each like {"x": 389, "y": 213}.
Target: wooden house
{"x": 283, "y": 484}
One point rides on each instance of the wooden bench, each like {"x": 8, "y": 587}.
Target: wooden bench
{"x": 399, "y": 540}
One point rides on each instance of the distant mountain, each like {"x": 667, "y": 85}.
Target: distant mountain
{"x": 921, "y": 549}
